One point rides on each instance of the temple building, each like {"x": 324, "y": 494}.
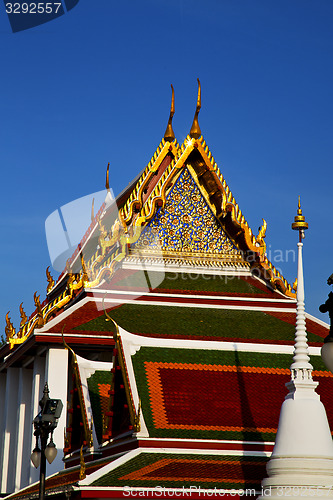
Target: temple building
{"x": 168, "y": 338}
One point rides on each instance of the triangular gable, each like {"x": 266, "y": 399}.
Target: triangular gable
{"x": 196, "y": 157}
{"x": 186, "y": 226}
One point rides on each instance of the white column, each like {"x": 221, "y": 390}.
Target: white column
{"x": 9, "y": 438}
{"x": 56, "y": 375}
{"x": 3, "y": 377}
{"x": 36, "y": 394}
{"x": 24, "y": 426}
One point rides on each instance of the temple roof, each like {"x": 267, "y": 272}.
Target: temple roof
{"x": 178, "y": 211}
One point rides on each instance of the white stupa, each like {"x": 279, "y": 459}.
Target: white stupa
{"x": 302, "y": 460}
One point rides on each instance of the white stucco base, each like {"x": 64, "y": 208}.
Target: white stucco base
{"x": 302, "y": 460}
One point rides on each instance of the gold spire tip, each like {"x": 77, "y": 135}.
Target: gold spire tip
{"x": 92, "y": 210}
{"x": 107, "y": 184}
{"x": 195, "y": 131}
{"x": 169, "y": 134}
{"x": 300, "y": 224}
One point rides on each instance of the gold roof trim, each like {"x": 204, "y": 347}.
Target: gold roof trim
{"x": 135, "y": 200}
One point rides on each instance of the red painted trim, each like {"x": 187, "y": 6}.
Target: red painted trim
{"x": 195, "y": 445}
{"x": 202, "y": 300}
{"x": 74, "y": 340}
{"x": 193, "y": 495}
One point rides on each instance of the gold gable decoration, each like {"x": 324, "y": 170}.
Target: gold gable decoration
{"x": 186, "y": 227}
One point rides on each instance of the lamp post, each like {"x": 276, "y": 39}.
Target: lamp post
{"x": 327, "y": 349}
{"x": 44, "y": 424}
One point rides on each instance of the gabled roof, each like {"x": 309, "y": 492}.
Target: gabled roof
{"x": 118, "y": 231}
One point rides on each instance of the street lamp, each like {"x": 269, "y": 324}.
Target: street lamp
{"x": 44, "y": 424}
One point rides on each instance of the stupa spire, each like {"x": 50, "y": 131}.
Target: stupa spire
{"x": 301, "y": 368}
{"x": 303, "y": 451}
{"x": 195, "y": 131}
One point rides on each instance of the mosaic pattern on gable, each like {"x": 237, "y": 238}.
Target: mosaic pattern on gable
{"x": 185, "y": 223}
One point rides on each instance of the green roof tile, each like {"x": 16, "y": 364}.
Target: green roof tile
{"x": 197, "y": 322}
{"x": 185, "y": 470}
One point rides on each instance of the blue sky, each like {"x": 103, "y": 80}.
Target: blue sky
{"x": 93, "y": 87}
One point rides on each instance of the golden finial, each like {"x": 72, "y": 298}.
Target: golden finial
{"x": 82, "y": 474}
{"x": 169, "y": 134}
{"x": 300, "y": 224}
{"x": 261, "y": 235}
{"x": 137, "y": 425}
{"x": 107, "y": 183}
{"x": 195, "y": 131}
{"x": 9, "y": 328}
{"x": 66, "y": 345}
{"x": 70, "y": 277}
{"x": 295, "y": 285}
{"x": 108, "y": 318}
{"x": 92, "y": 210}
{"x": 40, "y": 322}
{"x": 50, "y": 280}
{"x": 91, "y": 441}
{"x": 24, "y": 317}
{"x": 104, "y": 425}
{"x": 66, "y": 439}
{"x": 84, "y": 270}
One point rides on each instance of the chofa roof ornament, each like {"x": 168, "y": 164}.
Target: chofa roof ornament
{"x": 195, "y": 131}
{"x": 169, "y": 134}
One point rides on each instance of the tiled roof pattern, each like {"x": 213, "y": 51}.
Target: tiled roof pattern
{"x": 192, "y": 393}
{"x": 99, "y": 385}
{"x": 178, "y": 470}
{"x": 84, "y": 314}
{"x": 64, "y": 478}
{"x": 200, "y": 323}
{"x": 192, "y": 282}
{"x": 311, "y": 326}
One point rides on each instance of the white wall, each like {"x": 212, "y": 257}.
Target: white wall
{"x": 21, "y": 465}
{"x": 9, "y": 439}
{"x": 36, "y": 394}
{"x": 56, "y": 375}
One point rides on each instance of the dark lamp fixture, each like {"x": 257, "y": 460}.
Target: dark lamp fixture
{"x": 44, "y": 424}
{"x": 36, "y": 457}
{"x": 50, "y": 452}
{"x": 327, "y": 353}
